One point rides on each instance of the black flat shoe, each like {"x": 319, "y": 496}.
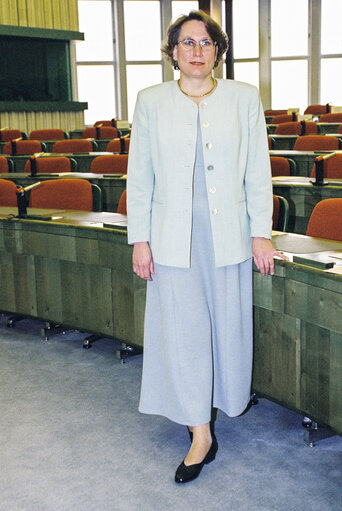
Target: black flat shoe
{"x": 190, "y": 433}
{"x": 184, "y": 473}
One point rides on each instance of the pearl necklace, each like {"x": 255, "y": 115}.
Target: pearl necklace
{"x": 199, "y": 95}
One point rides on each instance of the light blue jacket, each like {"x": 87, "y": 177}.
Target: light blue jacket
{"x": 161, "y": 165}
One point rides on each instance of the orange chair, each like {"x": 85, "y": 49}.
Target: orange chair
{"x": 332, "y": 168}
{"x": 270, "y": 142}
{"x": 110, "y": 164}
{"x": 122, "y": 206}
{"x": 63, "y": 194}
{"x": 24, "y": 147}
{"x": 326, "y": 220}
{"x": 47, "y": 165}
{"x": 7, "y": 135}
{"x": 114, "y": 146}
{"x": 316, "y": 143}
{"x": 280, "y": 215}
{"x": 278, "y": 119}
{"x": 6, "y": 165}
{"x": 296, "y": 128}
{"x": 339, "y": 129}
{"x": 100, "y": 132}
{"x": 317, "y": 109}
{"x": 74, "y": 145}
{"x": 280, "y": 166}
{"x": 48, "y": 134}
{"x": 112, "y": 122}
{"x": 269, "y": 113}
{"x": 8, "y": 193}
{"x": 337, "y": 117}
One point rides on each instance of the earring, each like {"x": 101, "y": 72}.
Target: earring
{"x": 175, "y": 65}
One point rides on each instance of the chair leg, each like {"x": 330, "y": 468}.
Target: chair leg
{"x": 314, "y": 433}
{"x": 88, "y": 341}
{"x": 127, "y": 351}
{"x": 12, "y": 320}
{"x": 52, "y": 329}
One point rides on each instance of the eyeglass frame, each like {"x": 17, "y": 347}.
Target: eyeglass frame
{"x": 203, "y": 48}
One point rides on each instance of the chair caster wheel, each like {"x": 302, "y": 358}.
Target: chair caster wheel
{"x": 86, "y": 344}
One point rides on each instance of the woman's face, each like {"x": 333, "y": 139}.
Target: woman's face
{"x": 197, "y": 61}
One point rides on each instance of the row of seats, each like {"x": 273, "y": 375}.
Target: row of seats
{"x": 332, "y": 167}
{"x": 117, "y": 145}
{"x": 310, "y": 110}
{"x": 313, "y": 143}
{"x": 104, "y": 164}
{"x": 279, "y": 119}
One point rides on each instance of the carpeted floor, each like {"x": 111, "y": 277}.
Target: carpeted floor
{"x": 71, "y": 439}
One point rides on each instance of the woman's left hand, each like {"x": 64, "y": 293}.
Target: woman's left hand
{"x": 263, "y": 253}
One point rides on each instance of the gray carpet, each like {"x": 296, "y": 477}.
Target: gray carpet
{"x": 71, "y": 438}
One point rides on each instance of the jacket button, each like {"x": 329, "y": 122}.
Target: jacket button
{"x": 210, "y": 167}
{"x": 212, "y": 189}
{"x": 205, "y": 124}
{"x": 215, "y": 211}
{"x": 209, "y": 145}
{"x": 204, "y": 104}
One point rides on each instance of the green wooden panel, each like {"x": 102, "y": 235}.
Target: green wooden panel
{"x": 49, "y": 289}
{"x": 268, "y": 292}
{"x": 18, "y": 282}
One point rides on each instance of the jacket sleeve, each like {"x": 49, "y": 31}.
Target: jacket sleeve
{"x": 258, "y": 179}
{"x": 140, "y": 176}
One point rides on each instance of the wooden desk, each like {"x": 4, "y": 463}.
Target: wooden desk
{"x": 112, "y": 185}
{"x": 302, "y": 197}
{"x": 283, "y": 142}
{"x": 72, "y": 271}
{"x": 298, "y": 334}
{"x": 323, "y": 127}
{"x": 83, "y": 159}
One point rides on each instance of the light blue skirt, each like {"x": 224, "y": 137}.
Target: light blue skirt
{"x": 198, "y": 339}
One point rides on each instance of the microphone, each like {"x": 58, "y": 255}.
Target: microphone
{"x": 22, "y": 199}
{"x": 319, "y": 168}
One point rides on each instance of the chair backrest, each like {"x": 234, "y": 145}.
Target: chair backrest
{"x": 280, "y": 213}
{"x": 74, "y": 145}
{"x": 114, "y": 146}
{"x": 111, "y": 122}
{"x": 269, "y": 113}
{"x": 296, "y": 128}
{"x": 122, "y": 206}
{"x": 24, "y": 147}
{"x": 8, "y": 193}
{"x": 63, "y": 194}
{"x": 316, "y": 143}
{"x": 7, "y": 135}
{"x": 326, "y": 220}
{"x": 48, "y": 134}
{"x": 339, "y": 129}
{"x": 336, "y": 117}
{"x": 100, "y": 132}
{"x": 53, "y": 164}
{"x": 6, "y": 165}
{"x": 277, "y": 119}
{"x": 317, "y": 109}
{"x": 280, "y": 166}
{"x": 110, "y": 164}
{"x": 270, "y": 142}
{"x": 332, "y": 168}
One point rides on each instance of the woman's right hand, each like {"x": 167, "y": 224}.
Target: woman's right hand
{"x": 142, "y": 260}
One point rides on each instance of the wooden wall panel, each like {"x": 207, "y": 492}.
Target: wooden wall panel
{"x": 28, "y": 121}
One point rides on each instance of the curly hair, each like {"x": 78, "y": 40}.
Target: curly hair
{"x": 214, "y": 30}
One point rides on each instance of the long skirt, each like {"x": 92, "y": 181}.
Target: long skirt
{"x": 198, "y": 337}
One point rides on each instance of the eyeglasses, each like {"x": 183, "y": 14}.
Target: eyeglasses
{"x": 190, "y": 44}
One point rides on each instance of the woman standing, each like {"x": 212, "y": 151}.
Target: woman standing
{"x": 199, "y": 207}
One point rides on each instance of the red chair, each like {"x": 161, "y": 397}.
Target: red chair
{"x": 74, "y": 145}
{"x": 316, "y": 143}
{"x": 8, "y": 193}
{"x": 63, "y": 194}
{"x": 47, "y": 165}
{"x": 24, "y": 147}
{"x": 332, "y": 168}
{"x": 280, "y": 215}
{"x": 326, "y": 220}
{"x": 6, "y": 135}
{"x": 111, "y": 122}
{"x": 296, "y": 128}
{"x": 337, "y": 117}
{"x": 114, "y": 146}
{"x": 317, "y": 109}
{"x": 122, "y": 206}
{"x": 269, "y": 113}
{"x": 6, "y": 165}
{"x": 270, "y": 142}
{"x": 110, "y": 164}
{"x": 278, "y": 119}
{"x": 100, "y": 132}
{"x": 339, "y": 129}
{"x": 280, "y": 166}
{"x": 48, "y": 134}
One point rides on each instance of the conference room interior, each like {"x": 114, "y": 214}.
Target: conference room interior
{"x": 71, "y": 309}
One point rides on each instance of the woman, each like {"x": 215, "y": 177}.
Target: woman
{"x": 199, "y": 207}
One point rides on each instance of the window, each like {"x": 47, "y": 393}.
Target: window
{"x": 290, "y": 84}
{"x": 289, "y": 28}
{"x": 246, "y": 41}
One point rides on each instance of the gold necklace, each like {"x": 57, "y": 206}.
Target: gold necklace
{"x": 200, "y": 95}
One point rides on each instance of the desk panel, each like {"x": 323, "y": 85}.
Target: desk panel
{"x": 83, "y": 159}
